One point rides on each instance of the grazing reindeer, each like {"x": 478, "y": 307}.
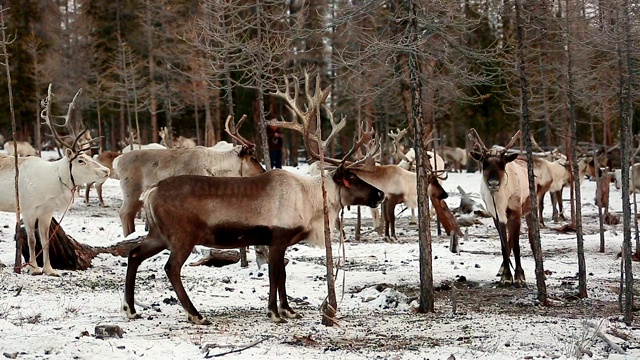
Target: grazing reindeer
{"x": 277, "y": 208}
{"x": 106, "y": 159}
{"x": 140, "y": 169}
{"x": 46, "y": 187}
{"x": 24, "y": 149}
{"x": 505, "y": 192}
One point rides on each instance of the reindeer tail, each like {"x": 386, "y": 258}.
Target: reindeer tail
{"x": 147, "y": 198}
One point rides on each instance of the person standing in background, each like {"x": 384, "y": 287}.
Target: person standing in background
{"x": 275, "y": 138}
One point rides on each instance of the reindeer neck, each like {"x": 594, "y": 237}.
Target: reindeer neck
{"x": 65, "y": 174}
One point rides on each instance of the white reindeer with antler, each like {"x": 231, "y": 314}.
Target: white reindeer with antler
{"x": 46, "y": 187}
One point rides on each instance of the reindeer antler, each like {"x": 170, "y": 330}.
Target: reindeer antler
{"x": 302, "y": 120}
{"x": 45, "y": 114}
{"x": 235, "y": 134}
{"x": 397, "y": 136}
{"x": 475, "y": 138}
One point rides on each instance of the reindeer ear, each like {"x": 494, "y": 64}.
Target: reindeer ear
{"x": 338, "y": 174}
{"x": 68, "y": 153}
{"x": 510, "y": 157}
{"x": 475, "y": 155}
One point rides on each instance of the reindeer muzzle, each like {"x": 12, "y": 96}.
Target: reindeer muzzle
{"x": 493, "y": 185}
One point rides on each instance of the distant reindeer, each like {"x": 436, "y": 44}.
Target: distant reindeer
{"x": 277, "y": 208}
{"x": 180, "y": 142}
{"x": 24, "y": 149}
{"x": 46, "y": 187}
{"x": 455, "y": 156}
{"x": 106, "y": 159}
{"x": 505, "y": 192}
{"x": 135, "y": 144}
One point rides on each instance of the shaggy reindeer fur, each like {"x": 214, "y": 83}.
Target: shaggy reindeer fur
{"x": 277, "y": 208}
{"x": 140, "y": 169}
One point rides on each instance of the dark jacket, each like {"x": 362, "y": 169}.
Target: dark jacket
{"x": 275, "y": 138}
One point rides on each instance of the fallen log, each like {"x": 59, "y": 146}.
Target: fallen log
{"x": 66, "y": 253}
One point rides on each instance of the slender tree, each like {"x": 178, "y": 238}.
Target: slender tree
{"x": 5, "y": 55}
{"x": 532, "y": 224}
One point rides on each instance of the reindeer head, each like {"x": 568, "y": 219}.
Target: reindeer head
{"x": 493, "y": 161}
{"x": 82, "y": 168}
{"x": 246, "y": 151}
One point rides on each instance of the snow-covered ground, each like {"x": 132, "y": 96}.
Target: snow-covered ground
{"x": 54, "y": 318}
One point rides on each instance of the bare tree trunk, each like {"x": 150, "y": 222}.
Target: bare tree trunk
{"x": 153, "y": 100}
{"x": 582, "y": 268}
{"x": 626, "y": 114}
{"x": 532, "y": 218}
{"x": 597, "y": 166}
{"x": 427, "y": 301}
{"x": 18, "y": 260}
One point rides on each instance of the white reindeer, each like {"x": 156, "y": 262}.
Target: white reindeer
{"x": 46, "y": 187}
{"x": 24, "y": 148}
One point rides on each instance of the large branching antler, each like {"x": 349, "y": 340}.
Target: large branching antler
{"x": 235, "y": 133}
{"x": 304, "y": 120}
{"x": 397, "y": 136}
{"x": 45, "y": 114}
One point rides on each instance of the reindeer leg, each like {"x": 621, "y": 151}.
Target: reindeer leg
{"x": 558, "y": 195}
{"x": 498, "y": 227}
{"x": 173, "y": 269}
{"x": 43, "y": 230}
{"x": 87, "y": 190}
{"x": 540, "y": 209}
{"x": 276, "y": 278}
{"x": 377, "y": 224}
{"x": 384, "y": 206}
{"x": 128, "y": 213}
{"x": 414, "y": 218}
{"x": 514, "y": 239}
{"x": 148, "y": 248}
{"x": 99, "y": 190}
{"x": 33, "y": 268}
{"x": 506, "y": 278}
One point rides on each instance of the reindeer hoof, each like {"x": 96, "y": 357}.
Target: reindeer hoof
{"x": 275, "y": 317}
{"x": 130, "y": 315}
{"x": 520, "y": 284}
{"x": 290, "y": 314}
{"x": 51, "y": 272}
{"x": 198, "y": 319}
{"x": 34, "y": 270}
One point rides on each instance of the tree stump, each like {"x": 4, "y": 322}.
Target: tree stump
{"x": 65, "y": 252}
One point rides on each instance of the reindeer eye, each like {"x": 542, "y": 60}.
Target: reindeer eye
{"x": 81, "y": 162}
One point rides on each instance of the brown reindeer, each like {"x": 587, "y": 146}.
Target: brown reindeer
{"x": 277, "y": 208}
{"x": 505, "y": 192}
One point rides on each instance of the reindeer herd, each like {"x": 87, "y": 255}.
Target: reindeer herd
{"x": 239, "y": 204}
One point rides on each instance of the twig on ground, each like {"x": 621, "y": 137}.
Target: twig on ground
{"x": 236, "y": 350}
